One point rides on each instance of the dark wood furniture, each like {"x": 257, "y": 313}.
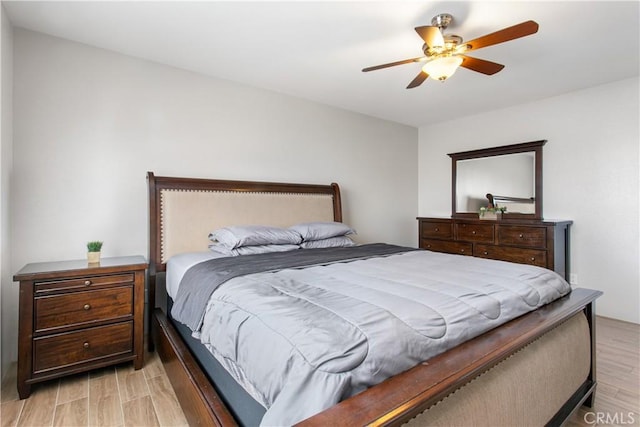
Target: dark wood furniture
{"x": 76, "y": 316}
{"x": 390, "y": 403}
{"x": 541, "y": 243}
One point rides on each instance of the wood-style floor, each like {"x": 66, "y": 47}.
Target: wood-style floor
{"x": 116, "y": 396}
{"x": 618, "y": 374}
{"x": 122, "y": 396}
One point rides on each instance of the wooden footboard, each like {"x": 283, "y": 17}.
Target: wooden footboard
{"x": 201, "y": 404}
{"x": 403, "y": 396}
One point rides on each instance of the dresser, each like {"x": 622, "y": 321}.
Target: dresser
{"x": 541, "y": 243}
{"x": 76, "y": 316}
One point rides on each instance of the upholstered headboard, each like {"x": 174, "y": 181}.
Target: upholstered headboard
{"x": 183, "y": 211}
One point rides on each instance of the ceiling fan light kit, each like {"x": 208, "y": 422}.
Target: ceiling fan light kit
{"x": 446, "y": 53}
{"x": 443, "y": 67}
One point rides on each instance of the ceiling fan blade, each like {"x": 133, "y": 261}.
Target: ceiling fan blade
{"x": 480, "y": 65}
{"x": 431, "y": 36}
{"x": 520, "y": 30}
{"x": 420, "y": 78}
{"x": 392, "y": 64}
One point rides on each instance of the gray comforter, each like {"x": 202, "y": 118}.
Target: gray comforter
{"x": 202, "y": 279}
{"x": 302, "y": 339}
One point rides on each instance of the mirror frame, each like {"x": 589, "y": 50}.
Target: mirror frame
{"x": 525, "y": 147}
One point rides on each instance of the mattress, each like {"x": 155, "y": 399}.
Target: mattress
{"x": 178, "y": 265}
{"x": 300, "y": 340}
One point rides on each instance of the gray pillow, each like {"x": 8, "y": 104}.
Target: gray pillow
{"x": 331, "y": 242}
{"x": 249, "y": 250}
{"x": 252, "y": 235}
{"x": 321, "y": 230}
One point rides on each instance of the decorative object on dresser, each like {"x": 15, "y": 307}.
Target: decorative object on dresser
{"x": 491, "y": 212}
{"x": 75, "y": 317}
{"x": 93, "y": 252}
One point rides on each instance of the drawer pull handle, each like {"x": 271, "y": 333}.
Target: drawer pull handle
{"x": 473, "y": 232}
{"x": 485, "y": 252}
{"x": 428, "y": 246}
{"x": 87, "y": 282}
{"x": 462, "y": 250}
{"x": 533, "y": 259}
{"x": 521, "y": 236}
{"x": 85, "y": 345}
{"x": 87, "y": 307}
{"x": 437, "y": 229}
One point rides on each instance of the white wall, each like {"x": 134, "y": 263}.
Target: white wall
{"x": 8, "y": 292}
{"x": 591, "y": 175}
{"x": 89, "y": 124}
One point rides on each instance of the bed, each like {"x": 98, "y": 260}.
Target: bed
{"x": 480, "y": 381}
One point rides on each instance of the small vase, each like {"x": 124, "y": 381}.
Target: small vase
{"x": 93, "y": 257}
{"x": 491, "y": 216}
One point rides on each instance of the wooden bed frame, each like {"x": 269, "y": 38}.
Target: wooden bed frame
{"x": 394, "y": 401}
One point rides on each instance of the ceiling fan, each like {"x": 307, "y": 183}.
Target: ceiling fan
{"x": 445, "y": 53}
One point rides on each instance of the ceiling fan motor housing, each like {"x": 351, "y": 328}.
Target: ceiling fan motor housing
{"x": 451, "y": 43}
{"x": 442, "y": 21}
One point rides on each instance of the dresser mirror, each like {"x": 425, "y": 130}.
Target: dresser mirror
{"x": 505, "y": 177}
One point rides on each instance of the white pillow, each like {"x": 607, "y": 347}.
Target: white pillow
{"x": 250, "y": 250}
{"x": 252, "y": 235}
{"x": 321, "y": 230}
{"x": 331, "y": 242}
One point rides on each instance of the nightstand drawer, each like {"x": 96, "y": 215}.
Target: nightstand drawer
{"x": 535, "y": 237}
{"x": 522, "y": 256}
{"x": 72, "y": 348}
{"x": 82, "y": 282}
{"x": 78, "y": 308}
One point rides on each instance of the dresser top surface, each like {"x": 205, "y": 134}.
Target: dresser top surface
{"x": 497, "y": 221}
{"x": 80, "y": 267}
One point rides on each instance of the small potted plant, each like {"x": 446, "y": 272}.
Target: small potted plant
{"x": 93, "y": 252}
{"x": 492, "y": 213}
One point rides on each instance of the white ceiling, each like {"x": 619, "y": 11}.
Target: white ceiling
{"x": 316, "y": 50}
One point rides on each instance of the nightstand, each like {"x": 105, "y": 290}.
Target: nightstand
{"x": 76, "y": 316}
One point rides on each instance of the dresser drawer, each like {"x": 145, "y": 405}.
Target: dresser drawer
{"x": 82, "y": 282}
{"x": 535, "y": 237}
{"x": 449, "y": 247}
{"x": 482, "y": 233}
{"x": 72, "y": 348}
{"x": 522, "y": 256}
{"x": 78, "y": 308}
{"x": 436, "y": 230}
